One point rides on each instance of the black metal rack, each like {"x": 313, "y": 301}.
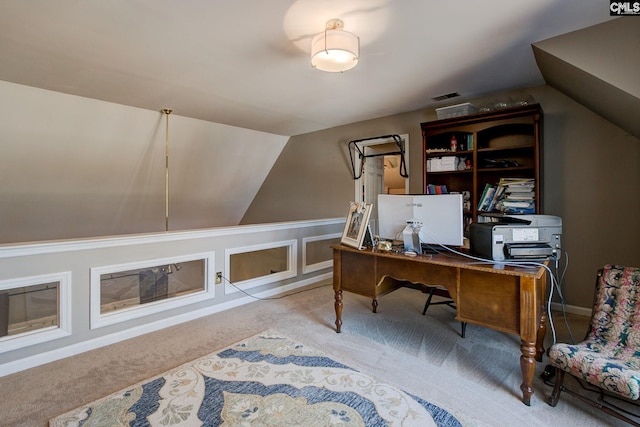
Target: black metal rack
{"x": 353, "y": 148}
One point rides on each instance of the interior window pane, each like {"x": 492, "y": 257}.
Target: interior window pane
{"x": 29, "y": 308}
{"x": 125, "y": 289}
{"x": 320, "y": 250}
{"x": 253, "y": 264}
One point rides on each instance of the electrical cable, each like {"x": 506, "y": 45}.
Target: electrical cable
{"x": 555, "y": 281}
{"x": 270, "y": 298}
{"x": 561, "y": 296}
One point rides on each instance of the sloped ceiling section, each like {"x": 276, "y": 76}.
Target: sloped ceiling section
{"x": 246, "y": 63}
{"x": 599, "y": 67}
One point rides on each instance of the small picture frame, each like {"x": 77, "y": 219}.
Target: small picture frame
{"x": 357, "y": 224}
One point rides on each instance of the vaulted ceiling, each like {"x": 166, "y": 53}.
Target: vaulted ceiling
{"x": 599, "y": 67}
{"x": 246, "y": 62}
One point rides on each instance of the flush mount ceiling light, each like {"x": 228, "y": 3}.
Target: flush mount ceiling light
{"x": 335, "y": 50}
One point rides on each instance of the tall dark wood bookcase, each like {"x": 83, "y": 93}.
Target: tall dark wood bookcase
{"x": 499, "y": 144}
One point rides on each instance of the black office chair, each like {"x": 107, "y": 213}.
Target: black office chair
{"x": 442, "y": 292}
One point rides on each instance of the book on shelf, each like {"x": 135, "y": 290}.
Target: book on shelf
{"x": 470, "y": 141}
{"x": 510, "y": 195}
{"x": 490, "y": 217}
{"x": 483, "y": 197}
{"x": 520, "y": 211}
{"x": 516, "y": 204}
{"x": 487, "y": 201}
{"x": 490, "y": 198}
{"x": 518, "y": 185}
{"x": 437, "y": 189}
{"x": 517, "y": 181}
{"x": 519, "y": 196}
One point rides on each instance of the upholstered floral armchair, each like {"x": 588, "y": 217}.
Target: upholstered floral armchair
{"x": 609, "y": 356}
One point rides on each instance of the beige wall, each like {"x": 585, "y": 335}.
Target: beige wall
{"x": 312, "y": 178}
{"x": 74, "y": 167}
{"x": 591, "y": 179}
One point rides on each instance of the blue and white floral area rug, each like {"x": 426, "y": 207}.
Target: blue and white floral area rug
{"x": 266, "y": 380}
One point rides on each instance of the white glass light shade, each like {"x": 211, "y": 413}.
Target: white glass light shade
{"x": 335, "y": 50}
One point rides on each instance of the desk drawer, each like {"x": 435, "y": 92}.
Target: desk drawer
{"x": 358, "y": 274}
{"x": 491, "y": 300}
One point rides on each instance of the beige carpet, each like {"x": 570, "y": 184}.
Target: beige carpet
{"x": 478, "y": 376}
{"x": 265, "y": 380}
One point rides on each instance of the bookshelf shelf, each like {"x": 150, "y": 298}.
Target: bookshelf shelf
{"x": 501, "y": 144}
{"x": 522, "y": 147}
{"x": 452, "y": 172}
{"x": 501, "y": 171}
{"x": 450, "y": 153}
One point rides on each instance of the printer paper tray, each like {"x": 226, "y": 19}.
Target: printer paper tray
{"x": 527, "y": 250}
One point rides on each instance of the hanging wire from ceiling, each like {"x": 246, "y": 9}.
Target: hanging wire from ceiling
{"x": 166, "y": 112}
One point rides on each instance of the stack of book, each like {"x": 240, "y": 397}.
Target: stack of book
{"x": 519, "y": 196}
{"x": 436, "y": 189}
{"x": 510, "y": 195}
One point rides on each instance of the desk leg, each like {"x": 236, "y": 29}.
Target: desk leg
{"x": 338, "y": 306}
{"x": 528, "y": 367}
{"x": 542, "y": 331}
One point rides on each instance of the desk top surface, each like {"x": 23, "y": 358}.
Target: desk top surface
{"x": 517, "y": 268}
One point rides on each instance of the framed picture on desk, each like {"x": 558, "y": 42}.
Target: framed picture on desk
{"x": 357, "y": 224}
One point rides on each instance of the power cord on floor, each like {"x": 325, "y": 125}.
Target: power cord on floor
{"x": 270, "y": 298}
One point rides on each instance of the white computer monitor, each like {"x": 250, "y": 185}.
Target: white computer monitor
{"x": 440, "y": 214}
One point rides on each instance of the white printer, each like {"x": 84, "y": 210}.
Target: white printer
{"x": 525, "y": 237}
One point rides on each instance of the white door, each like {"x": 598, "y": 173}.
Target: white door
{"x": 371, "y": 183}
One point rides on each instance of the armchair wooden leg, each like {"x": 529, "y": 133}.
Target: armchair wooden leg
{"x": 600, "y": 404}
{"x": 555, "y": 394}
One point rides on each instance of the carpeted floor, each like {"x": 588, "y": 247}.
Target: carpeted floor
{"x": 265, "y": 380}
{"x": 478, "y": 376}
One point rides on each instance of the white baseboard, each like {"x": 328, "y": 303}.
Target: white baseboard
{"x": 92, "y": 344}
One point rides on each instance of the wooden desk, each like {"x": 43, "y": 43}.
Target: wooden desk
{"x": 509, "y": 299}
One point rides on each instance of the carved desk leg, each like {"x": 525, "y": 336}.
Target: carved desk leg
{"x": 337, "y": 287}
{"x": 531, "y": 296}
{"x": 542, "y": 331}
{"x": 528, "y": 367}
{"x": 338, "y": 306}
